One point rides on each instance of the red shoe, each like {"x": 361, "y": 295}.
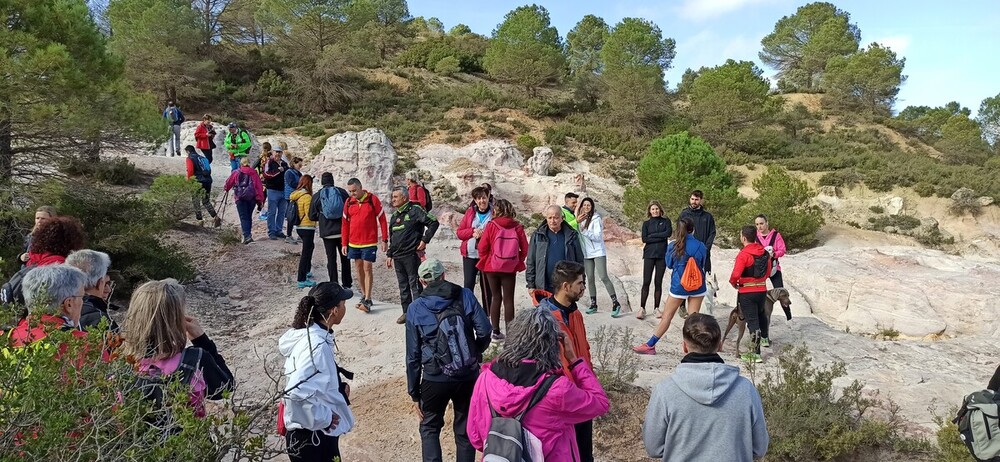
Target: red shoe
{"x": 645, "y": 349}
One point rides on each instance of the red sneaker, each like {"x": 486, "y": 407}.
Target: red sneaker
{"x": 645, "y": 349}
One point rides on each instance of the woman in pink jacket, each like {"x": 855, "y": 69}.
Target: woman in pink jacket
{"x": 531, "y": 355}
{"x": 248, "y": 192}
{"x": 479, "y": 213}
{"x": 773, "y": 242}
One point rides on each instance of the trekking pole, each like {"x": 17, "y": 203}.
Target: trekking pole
{"x": 225, "y": 202}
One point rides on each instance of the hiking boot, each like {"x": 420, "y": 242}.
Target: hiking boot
{"x": 497, "y": 336}
{"x": 280, "y": 235}
{"x": 273, "y": 238}
{"x": 645, "y": 349}
{"x": 304, "y": 284}
{"x": 764, "y": 342}
{"x": 616, "y": 310}
{"x": 751, "y": 358}
{"x": 247, "y": 240}
{"x": 401, "y": 319}
{"x": 217, "y": 222}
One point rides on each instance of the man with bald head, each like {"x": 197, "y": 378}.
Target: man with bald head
{"x": 553, "y": 241}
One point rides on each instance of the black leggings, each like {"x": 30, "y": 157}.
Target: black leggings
{"x": 777, "y": 281}
{"x": 503, "y": 291}
{"x": 311, "y": 446}
{"x": 470, "y": 272}
{"x": 308, "y": 245}
{"x": 208, "y": 154}
{"x": 648, "y": 265}
{"x": 752, "y": 307}
{"x": 333, "y": 254}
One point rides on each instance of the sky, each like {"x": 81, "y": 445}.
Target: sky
{"x": 951, "y": 47}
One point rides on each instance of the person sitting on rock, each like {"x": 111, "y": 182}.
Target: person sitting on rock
{"x": 98, "y": 290}
{"x": 363, "y": 219}
{"x": 412, "y": 229}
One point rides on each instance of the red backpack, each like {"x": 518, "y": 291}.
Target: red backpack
{"x": 505, "y": 249}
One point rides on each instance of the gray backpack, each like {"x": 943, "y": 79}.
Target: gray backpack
{"x": 508, "y": 441}
{"x": 978, "y": 423}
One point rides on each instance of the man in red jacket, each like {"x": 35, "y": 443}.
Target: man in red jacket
{"x": 750, "y": 272}
{"x": 363, "y": 217}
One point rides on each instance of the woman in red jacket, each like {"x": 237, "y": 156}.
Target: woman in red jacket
{"x": 479, "y": 213}
{"x": 53, "y": 241}
{"x": 204, "y": 136}
{"x": 502, "y": 250}
{"x": 750, "y": 272}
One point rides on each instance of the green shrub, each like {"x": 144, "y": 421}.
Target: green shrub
{"x": 118, "y": 171}
{"x": 950, "y": 445}
{"x": 518, "y": 125}
{"x": 787, "y": 203}
{"x": 171, "y": 196}
{"x": 615, "y": 364}
{"x": 876, "y": 209}
{"x": 526, "y": 144}
{"x": 469, "y": 114}
{"x": 902, "y": 222}
{"x": 458, "y": 127}
{"x": 554, "y": 136}
{"x": 453, "y": 139}
{"x": 449, "y": 65}
{"x": 311, "y": 131}
{"x": 320, "y": 144}
{"x": 496, "y": 131}
{"x": 844, "y": 178}
{"x": 404, "y": 163}
{"x": 924, "y": 189}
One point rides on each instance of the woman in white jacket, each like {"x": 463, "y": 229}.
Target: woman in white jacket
{"x": 595, "y": 255}
{"x": 316, "y": 411}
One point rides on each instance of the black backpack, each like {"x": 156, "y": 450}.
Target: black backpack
{"x": 761, "y": 267}
{"x": 427, "y": 194}
{"x": 292, "y": 214}
{"x": 152, "y": 387}
{"x": 455, "y": 351}
{"x": 11, "y": 291}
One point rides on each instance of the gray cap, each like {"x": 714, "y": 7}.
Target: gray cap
{"x": 430, "y": 270}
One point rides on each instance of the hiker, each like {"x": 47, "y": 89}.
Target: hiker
{"x": 502, "y": 250}
{"x": 238, "y": 144}
{"x": 156, "y": 332}
{"x": 174, "y": 117}
{"x": 328, "y": 210}
{"x": 292, "y": 177}
{"x": 774, "y": 244}
{"x": 98, "y": 288}
{"x": 469, "y": 231}
{"x": 53, "y": 299}
{"x": 683, "y": 251}
{"x": 704, "y": 396}
{"x": 199, "y": 168}
{"x": 247, "y": 193}
{"x": 527, "y": 367}
{"x": 41, "y": 214}
{"x": 204, "y": 136}
{"x": 489, "y": 193}
{"x": 553, "y": 241}
{"x": 443, "y": 313}
{"x": 656, "y": 231}
{"x": 306, "y": 229}
{"x": 283, "y": 147}
{"x": 315, "y": 411}
{"x": 569, "y": 280}
{"x": 752, "y": 287}
{"x": 53, "y": 240}
{"x": 416, "y": 192}
{"x": 274, "y": 183}
{"x": 704, "y": 224}
{"x": 260, "y": 162}
{"x": 412, "y": 229}
{"x": 595, "y": 255}
{"x": 570, "y": 202}
{"x": 363, "y": 217}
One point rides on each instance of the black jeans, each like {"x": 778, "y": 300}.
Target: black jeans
{"x": 585, "y": 440}
{"x": 752, "y": 307}
{"x": 406, "y": 276}
{"x": 333, "y": 254}
{"x": 434, "y": 398}
{"x": 470, "y": 272}
{"x": 648, "y": 267}
{"x": 203, "y": 198}
{"x": 308, "y": 246}
{"x": 208, "y": 154}
{"x": 311, "y": 446}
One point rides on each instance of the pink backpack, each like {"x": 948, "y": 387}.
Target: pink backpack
{"x": 505, "y": 249}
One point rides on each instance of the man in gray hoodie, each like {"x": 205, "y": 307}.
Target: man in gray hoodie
{"x": 705, "y": 411}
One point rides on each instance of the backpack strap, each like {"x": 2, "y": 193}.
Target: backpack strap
{"x": 774, "y": 236}
{"x": 190, "y": 363}
{"x": 537, "y": 396}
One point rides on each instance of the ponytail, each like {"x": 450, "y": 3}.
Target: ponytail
{"x": 306, "y": 314}
{"x": 321, "y": 299}
{"x": 684, "y": 227}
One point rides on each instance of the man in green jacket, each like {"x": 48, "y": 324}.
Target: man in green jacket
{"x": 238, "y": 143}
{"x": 570, "y": 201}
{"x": 410, "y": 229}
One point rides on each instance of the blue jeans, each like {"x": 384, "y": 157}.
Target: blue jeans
{"x": 234, "y": 164}
{"x": 276, "y": 205}
{"x": 245, "y": 209}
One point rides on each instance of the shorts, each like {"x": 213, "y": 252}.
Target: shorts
{"x": 362, "y": 253}
{"x": 685, "y": 297}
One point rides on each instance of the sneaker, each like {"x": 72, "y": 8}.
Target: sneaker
{"x": 592, "y": 309}
{"x": 310, "y": 276}
{"x": 304, "y": 284}
{"x": 645, "y": 349}
{"x": 289, "y": 240}
{"x": 280, "y": 235}
{"x": 401, "y": 319}
{"x": 263, "y": 216}
{"x": 751, "y": 358}
{"x": 764, "y": 342}
{"x": 273, "y": 238}
{"x": 368, "y": 303}
{"x": 363, "y": 307}
{"x": 498, "y": 337}
{"x": 657, "y": 313}
{"x": 247, "y": 240}
{"x": 616, "y": 310}
{"x": 641, "y": 314}
{"x": 217, "y": 222}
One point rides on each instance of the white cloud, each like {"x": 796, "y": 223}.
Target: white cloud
{"x": 897, "y": 43}
{"x": 699, "y": 10}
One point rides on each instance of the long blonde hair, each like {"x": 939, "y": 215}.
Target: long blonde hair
{"x": 154, "y": 323}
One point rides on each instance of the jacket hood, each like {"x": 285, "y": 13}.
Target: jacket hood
{"x": 705, "y": 383}
{"x": 435, "y": 298}
{"x": 291, "y": 338}
{"x": 512, "y": 390}
{"x": 507, "y": 222}
{"x": 247, "y": 169}
{"x": 43, "y": 259}
{"x": 754, "y": 249}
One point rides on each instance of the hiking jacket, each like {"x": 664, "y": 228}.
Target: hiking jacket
{"x": 239, "y": 144}
{"x": 202, "y": 136}
{"x": 422, "y": 330}
{"x": 95, "y": 309}
{"x": 274, "y": 175}
{"x": 303, "y": 200}
{"x": 194, "y": 169}
{"x": 44, "y": 259}
{"x": 254, "y": 178}
{"x": 656, "y": 232}
{"x": 363, "y": 219}
{"x": 292, "y": 178}
{"x": 175, "y": 118}
{"x": 744, "y": 262}
{"x": 327, "y": 228}
{"x": 30, "y": 330}
{"x": 570, "y": 217}
{"x": 705, "y": 397}
{"x": 411, "y": 224}
{"x": 571, "y": 322}
{"x": 417, "y": 195}
{"x": 487, "y": 262}
{"x": 572, "y": 399}
{"x": 467, "y": 226}
{"x": 704, "y": 225}
{"x": 312, "y": 386}
{"x": 692, "y": 248}
{"x": 592, "y": 238}
{"x": 536, "y": 264}
{"x": 779, "y": 244}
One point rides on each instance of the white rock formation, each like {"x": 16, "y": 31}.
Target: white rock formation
{"x": 367, "y": 156}
{"x": 540, "y": 161}
{"x": 892, "y": 205}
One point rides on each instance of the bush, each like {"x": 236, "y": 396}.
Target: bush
{"x": 615, "y": 364}
{"x": 902, "y": 222}
{"x": 787, "y": 203}
{"x": 950, "y": 445}
{"x": 554, "y": 137}
{"x": 453, "y": 139}
{"x": 320, "y": 144}
{"x": 844, "y": 178}
{"x": 171, "y": 197}
{"x": 117, "y": 171}
{"x": 448, "y": 66}
{"x": 527, "y": 144}
{"x": 876, "y": 209}
{"x": 311, "y": 131}
{"x": 496, "y": 132}
{"x": 924, "y": 189}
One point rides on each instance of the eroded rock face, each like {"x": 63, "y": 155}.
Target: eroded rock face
{"x": 367, "y": 156}
{"x": 540, "y": 162}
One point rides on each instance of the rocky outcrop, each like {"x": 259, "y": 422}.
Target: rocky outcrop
{"x": 540, "y": 161}
{"x": 367, "y": 156}
{"x": 892, "y": 205}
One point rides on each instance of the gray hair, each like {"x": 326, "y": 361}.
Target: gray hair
{"x": 402, "y": 190}
{"x": 413, "y": 176}
{"x": 49, "y": 286}
{"x": 93, "y": 263}
{"x": 553, "y": 207}
{"x": 533, "y": 335}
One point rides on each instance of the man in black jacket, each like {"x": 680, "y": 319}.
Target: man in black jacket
{"x": 554, "y": 241}
{"x": 410, "y": 229}
{"x": 330, "y": 227}
{"x": 97, "y": 291}
{"x": 704, "y": 224}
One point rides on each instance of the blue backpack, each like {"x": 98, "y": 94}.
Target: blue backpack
{"x": 333, "y": 203}
{"x": 455, "y": 352}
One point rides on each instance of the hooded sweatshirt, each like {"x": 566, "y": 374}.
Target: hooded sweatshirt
{"x": 705, "y": 397}
{"x": 312, "y": 393}
{"x": 743, "y": 270}
{"x": 568, "y": 402}
{"x": 592, "y": 237}
{"x": 704, "y": 225}
{"x": 422, "y": 330}
{"x": 487, "y": 261}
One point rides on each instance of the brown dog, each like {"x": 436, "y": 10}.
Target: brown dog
{"x": 774, "y": 295}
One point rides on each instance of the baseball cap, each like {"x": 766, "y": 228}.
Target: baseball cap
{"x": 330, "y": 293}
{"x": 278, "y": 149}
{"x": 233, "y": 125}
{"x": 430, "y": 270}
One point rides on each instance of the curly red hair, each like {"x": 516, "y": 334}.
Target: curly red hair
{"x": 58, "y": 236}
